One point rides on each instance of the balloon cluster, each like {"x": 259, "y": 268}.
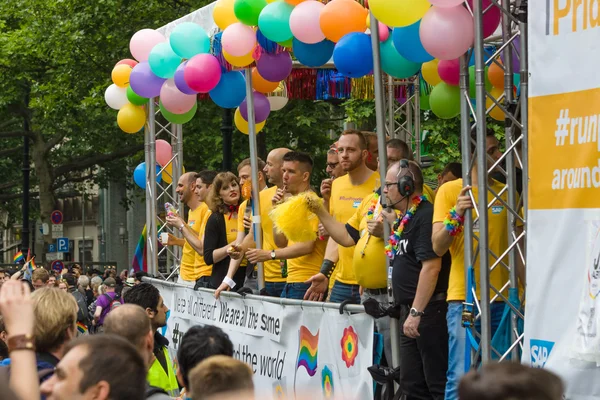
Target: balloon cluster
{"x": 164, "y": 165}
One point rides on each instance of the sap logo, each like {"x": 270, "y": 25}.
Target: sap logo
{"x": 356, "y": 204}
{"x": 497, "y": 209}
{"x": 540, "y": 352}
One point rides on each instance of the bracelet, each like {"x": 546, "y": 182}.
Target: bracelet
{"x": 21, "y": 342}
{"x": 229, "y": 282}
{"x": 181, "y": 228}
{"x": 327, "y": 268}
{"x": 454, "y": 222}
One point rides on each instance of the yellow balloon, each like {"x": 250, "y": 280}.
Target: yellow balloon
{"x": 131, "y": 118}
{"x": 120, "y": 75}
{"x": 399, "y": 12}
{"x": 369, "y": 21}
{"x": 429, "y": 70}
{"x": 242, "y": 124}
{"x": 239, "y": 62}
{"x": 496, "y": 112}
{"x": 223, "y": 14}
{"x": 167, "y": 175}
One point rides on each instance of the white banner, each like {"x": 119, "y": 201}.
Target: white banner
{"x": 295, "y": 352}
{"x": 563, "y": 246}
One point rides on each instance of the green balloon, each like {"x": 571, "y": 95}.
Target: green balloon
{"x": 445, "y": 100}
{"x": 247, "y": 11}
{"x": 424, "y": 101}
{"x": 392, "y": 63}
{"x": 472, "y": 87}
{"x": 274, "y": 21}
{"x": 178, "y": 118}
{"x": 135, "y": 98}
{"x": 287, "y": 43}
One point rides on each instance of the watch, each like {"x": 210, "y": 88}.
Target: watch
{"x": 415, "y": 313}
{"x": 272, "y": 254}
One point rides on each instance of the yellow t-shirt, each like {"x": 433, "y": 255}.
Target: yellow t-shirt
{"x": 429, "y": 193}
{"x": 497, "y": 238}
{"x": 345, "y": 200}
{"x": 188, "y": 269}
{"x": 231, "y": 225}
{"x": 200, "y": 267}
{"x": 302, "y": 268}
{"x": 370, "y": 269}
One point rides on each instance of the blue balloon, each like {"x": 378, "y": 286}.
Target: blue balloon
{"x": 230, "y": 91}
{"x": 189, "y": 39}
{"x": 163, "y": 60}
{"x": 408, "y": 43}
{"x": 313, "y": 55}
{"x": 353, "y": 55}
{"x": 392, "y": 63}
{"x": 488, "y": 52}
{"x": 139, "y": 175}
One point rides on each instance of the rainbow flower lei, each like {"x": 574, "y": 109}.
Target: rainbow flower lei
{"x": 373, "y": 206}
{"x": 394, "y": 240}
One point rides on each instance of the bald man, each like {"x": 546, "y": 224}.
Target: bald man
{"x": 274, "y": 270}
{"x": 132, "y": 323}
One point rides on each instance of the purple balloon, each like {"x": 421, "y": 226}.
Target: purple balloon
{"x": 180, "y": 81}
{"x": 274, "y": 67}
{"x": 516, "y": 54}
{"x": 262, "y": 108}
{"x": 143, "y": 81}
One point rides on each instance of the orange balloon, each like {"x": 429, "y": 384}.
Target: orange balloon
{"x": 496, "y": 75}
{"x": 262, "y": 85}
{"x": 340, "y": 17}
{"x": 294, "y": 2}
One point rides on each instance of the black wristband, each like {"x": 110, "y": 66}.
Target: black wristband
{"x": 327, "y": 268}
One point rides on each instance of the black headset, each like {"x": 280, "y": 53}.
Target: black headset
{"x": 406, "y": 182}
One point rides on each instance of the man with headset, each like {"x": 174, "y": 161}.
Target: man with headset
{"x": 420, "y": 283}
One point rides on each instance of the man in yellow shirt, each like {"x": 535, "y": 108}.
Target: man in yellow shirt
{"x": 452, "y": 201}
{"x": 303, "y": 258}
{"x": 347, "y": 194}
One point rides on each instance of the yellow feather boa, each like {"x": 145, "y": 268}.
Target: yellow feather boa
{"x": 291, "y": 217}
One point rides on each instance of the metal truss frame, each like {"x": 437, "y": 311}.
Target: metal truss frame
{"x": 473, "y": 119}
{"x": 157, "y": 194}
{"x": 403, "y": 120}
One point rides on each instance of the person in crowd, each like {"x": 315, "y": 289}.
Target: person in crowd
{"x": 139, "y": 276}
{"x": 19, "y": 317}
{"x": 347, "y": 193}
{"x": 161, "y": 373}
{"x": 334, "y": 170}
{"x": 82, "y": 306}
{"x": 105, "y": 303}
{"x": 452, "y": 201}
{"x": 83, "y": 285}
{"x": 4, "y": 275}
{"x": 51, "y": 279}
{"x": 510, "y": 380}
{"x": 102, "y": 367}
{"x": 40, "y": 278}
{"x": 198, "y": 344}
{"x": 451, "y": 172}
{"x": 397, "y": 149}
{"x": 372, "y": 150}
{"x": 420, "y": 284}
{"x": 220, "y": 375}
{"x": 131, "y": 322}
{"x": 193, "y": 231}
{"x": 62, "y": 285}
{"x": 303, "y": 258}
{"x": 222, "y": 229}
{"x": 124, "y": 274}
{"x": 76, "y": 270}
{"x": 273, "y": 268}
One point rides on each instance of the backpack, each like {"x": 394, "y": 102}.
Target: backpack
{"x": 112, "y": 303}
{"x": 82, "y": 315}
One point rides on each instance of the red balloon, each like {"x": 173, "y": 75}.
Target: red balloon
{"x": 128, "y": 61}
{"x": 449, "y": 71}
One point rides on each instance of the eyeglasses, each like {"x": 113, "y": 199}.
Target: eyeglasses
{"x": 388, "y": 184}
{"x": 332, "y": 165}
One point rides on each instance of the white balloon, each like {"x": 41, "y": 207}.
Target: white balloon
{"x": 277, "y": 102}
{"x": 116, "y": 97}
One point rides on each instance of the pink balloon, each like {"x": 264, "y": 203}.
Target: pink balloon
{"x": 304, "y": 22}
{"x": 491, "y": 17}
{"x": 447, "y": 33}
{"x": 174, "y": 100}
{"x": 143, "y": 41}
{"x": 446, "y": 3}
{"x": 164, "y": 152}
{"x": 384, "y": 32}
{"x": 449, "y": 71}
{"x": 238, "y": 39}
{"x": 202, "y": 73}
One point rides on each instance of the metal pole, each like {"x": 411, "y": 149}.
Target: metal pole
{"x": 83, "y": 230}
{"x": 524, "y": 100}
{"x": 150, "y": 156}
{"x": 176, "y": 171}
{"x": 391, "y": 120}
{"x": 254, "y": 166}
{"x": 227, "y": 133}
{"x": 482, "y": 175}
{"x": 417, "y": 118}
{"x": 26, "y": 170}
{"x": 380, "y": 116}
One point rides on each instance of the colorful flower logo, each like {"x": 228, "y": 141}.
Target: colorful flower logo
{"x": 327, "y": 383}
{"x": 349, "y": 344}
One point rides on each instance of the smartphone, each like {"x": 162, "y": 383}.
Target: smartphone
{"x": 170, "y": 209}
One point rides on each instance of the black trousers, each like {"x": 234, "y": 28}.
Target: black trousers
{"x": 424, "y": 360}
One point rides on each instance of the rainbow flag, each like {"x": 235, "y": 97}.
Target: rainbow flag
{"x": 81, "y": 328}
{"x": 18, "y": 257}
{"x": 140, "y": 263}
{"x": 32, "y": 264}
{"x": 307, "y": 354}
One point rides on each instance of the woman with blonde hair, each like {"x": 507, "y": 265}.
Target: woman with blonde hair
{"x": 221, "y": 229}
